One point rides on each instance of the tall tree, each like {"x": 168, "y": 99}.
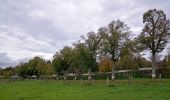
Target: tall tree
{"x": 114, "y": 40}
{"x": 92, "y": 42}
{"x": 155, "y": 34}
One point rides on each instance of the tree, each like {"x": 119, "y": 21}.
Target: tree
{"x": 76, "y": 66}
{"x": 105, "y": 64}
{"x": 114, "y": 40}
{"x": 62, "y": 60}
{"x": 35, "y": 66}
{"x": 83, "y": 56}
{"x": 155, "y": 34}
{"x": 48, "y": 69}
{"x": 66, "y": 54}
{"x": 127, "y": 62}
{"x": 32, "y": 67}
{"x": 41, "y": 63}
{"x": 8, "y": 72}
{"x": 57, "y": 63}
{"x": 22, "y": 70}
{"x": 92, "y": 42}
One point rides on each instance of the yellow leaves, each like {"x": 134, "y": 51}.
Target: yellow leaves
{"x": 105, "y": 64}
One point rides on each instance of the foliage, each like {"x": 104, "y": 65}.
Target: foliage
{"x": 92, "y": 42}
{"x": 114, "y": 40}
{"x": 8, "y": 72}
{"x": 48, "y": 69}
{"x": 115, "y": 37}
{"x": 62, "y": 60}
{"x": 156, "y": 30}
{"x": 57, "y": 63}
{"x": 82, "y": 56}
{"x": 105, "y": 64}
{"x": 32, "y": 67}
{"x": 22, "y": 70}
{"x": 127, "y": 62}
{"x": 35, "y": 66}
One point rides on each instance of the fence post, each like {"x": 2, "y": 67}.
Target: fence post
{"x": 107, "y": 81}
{"x": 81, "y": 81}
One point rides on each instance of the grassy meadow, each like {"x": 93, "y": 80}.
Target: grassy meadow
{"x": 141, "y": 89}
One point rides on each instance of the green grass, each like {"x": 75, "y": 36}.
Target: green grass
{"x": 141, "y": 89}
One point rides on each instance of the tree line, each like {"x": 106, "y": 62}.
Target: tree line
{"x": 111, "y": 48}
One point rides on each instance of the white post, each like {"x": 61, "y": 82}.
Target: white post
{"x": 107, "y": 81}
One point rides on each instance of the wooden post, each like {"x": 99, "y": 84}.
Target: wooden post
{"x": 81, "y": 81}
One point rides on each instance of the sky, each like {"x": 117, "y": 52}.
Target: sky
{"x": 31, "y": 28}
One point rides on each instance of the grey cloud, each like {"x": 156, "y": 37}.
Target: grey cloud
{"x": 5, "y": 60}
{"x": 40, "y": 27}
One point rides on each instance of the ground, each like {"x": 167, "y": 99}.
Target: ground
{"x": 139, "y": 89}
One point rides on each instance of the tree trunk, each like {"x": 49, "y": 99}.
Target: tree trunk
{"x": 89, "y": 74}
{"x": 153, "y": 66}
{"x": 113, "y": 71}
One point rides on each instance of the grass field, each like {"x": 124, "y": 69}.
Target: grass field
{"x": 143, "y": 89}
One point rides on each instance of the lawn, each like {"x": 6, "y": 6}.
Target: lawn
{"x": 141, "y": 89}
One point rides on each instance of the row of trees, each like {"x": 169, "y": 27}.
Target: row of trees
{"x": 113, "y": 45}
{"x": 40, "y": 68}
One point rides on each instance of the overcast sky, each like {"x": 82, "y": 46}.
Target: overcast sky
{"x": 31, "y": 28}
